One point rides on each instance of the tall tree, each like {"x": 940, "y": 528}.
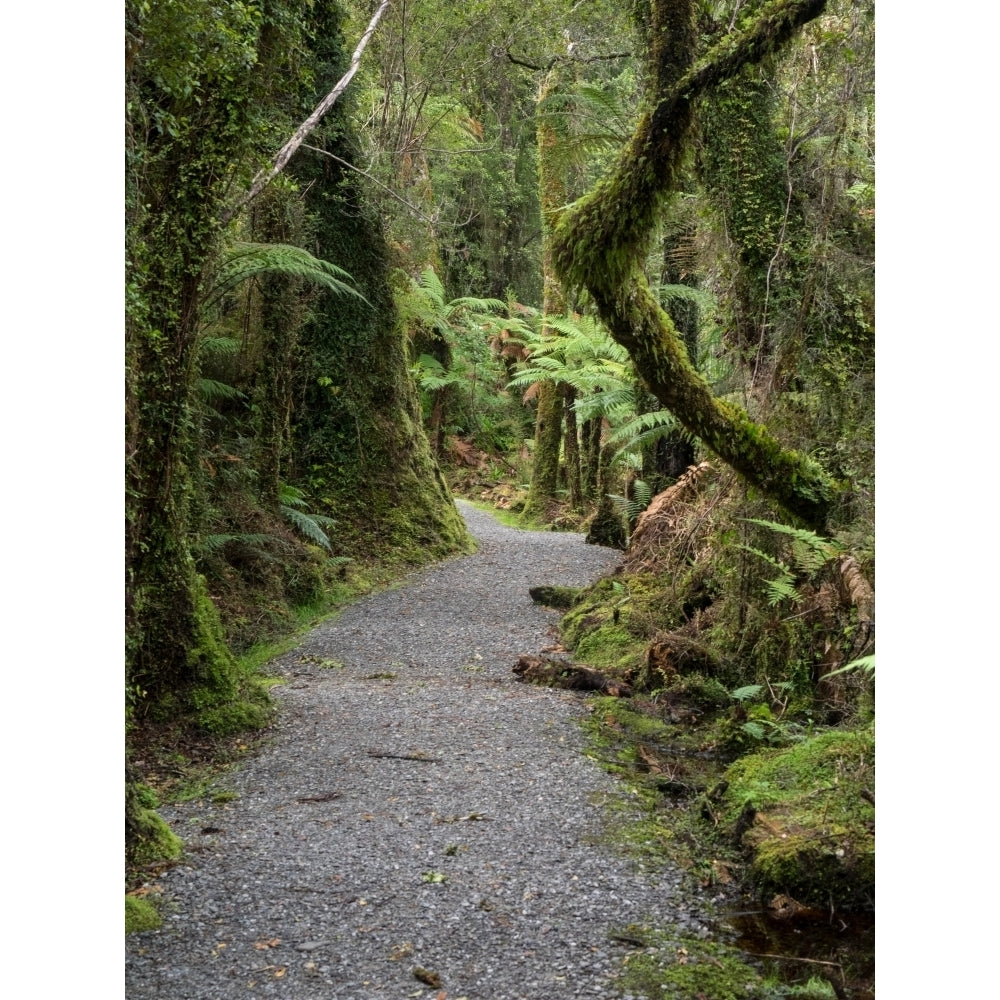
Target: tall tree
{"x": 552, "y": 183}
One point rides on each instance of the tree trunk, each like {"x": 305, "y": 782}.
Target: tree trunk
{"x": 360, "y": 445}
{"x": 571, "y": 449}
{"x": 548, "y": 427}
{"x": 600, "y": 243}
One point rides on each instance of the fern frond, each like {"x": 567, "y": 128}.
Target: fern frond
{"x": 290, "y": 495}
{"x": 430, "y": 283}
{"x": 810, "y": 551}
{"x": 782, "y": 587}
{"x": 307, "y": 525}
{"x": 632, "y": 507}
{"x": 216, "y": 346}
{"x": 209, "y": 390}
{"x": 212, "y": 543}
{"x": 865, "y": 663}
{"x": 474, "y": 305}
{"x": 431, "y": 375}
{"x": 244, "y": 261}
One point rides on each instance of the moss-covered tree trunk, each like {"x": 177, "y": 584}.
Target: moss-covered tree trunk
{"x": 549, "y": 419}
{"x": 359, "y": 442}
{"x": 571, "y": 449}
{"x": 600, "y": 244}
{"x": 742, "y": 165}
{"x": 276, "y": 218}
{"x": 590, "y": 455}
{"x": 674, "y": 453}
{"x": 175, "y": 651}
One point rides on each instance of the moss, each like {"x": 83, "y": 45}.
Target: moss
{"x": 600, "y": 241}
{"x": 555, "y": 597}
{"x": 141, "y": 915}
{"x": 682, "y": 968}
{"x": 147, "y": 835}
{"x": 705, "y": 693}
{"x": 610, "y": 646}
{"x": 234, "y": 717}
{"x": 813, "y": 837}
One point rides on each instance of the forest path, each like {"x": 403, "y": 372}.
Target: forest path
{"x": 417, "y": 811}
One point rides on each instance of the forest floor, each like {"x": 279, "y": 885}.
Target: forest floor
{"x": 417, "y": 822}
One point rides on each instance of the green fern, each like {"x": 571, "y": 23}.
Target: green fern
{"x": 244, "y": 261}
{"x": 311, "y": 525}
{"x": 214, "y": 346}
{"x": 213, "y": 543}
{"x": 643, "y": 429}
{"x": 632, "y": 508}
{"x": 210, "y": 390}
{"x": 865, "y": 663}
{"x": 810, "y": 552}
{"x": 782, "y": 587}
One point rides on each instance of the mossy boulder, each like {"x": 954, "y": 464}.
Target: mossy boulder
{"x": 812, "y": 836}
{"x": 147, "y": 836}
{"x": 140, "y": 915}
{"x": 562, "y": 598}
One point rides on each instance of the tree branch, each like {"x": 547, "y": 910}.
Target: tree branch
{"x": 287, "y": 151}
{"x": 599, "y": 243}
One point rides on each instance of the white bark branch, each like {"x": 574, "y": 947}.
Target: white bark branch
{"x": 287, "y": 151}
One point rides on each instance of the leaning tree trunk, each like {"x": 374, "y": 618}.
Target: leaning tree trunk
{"x": 600, "y": 244}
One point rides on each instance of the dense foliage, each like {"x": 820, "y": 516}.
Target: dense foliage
{"x": 558, "y": 253}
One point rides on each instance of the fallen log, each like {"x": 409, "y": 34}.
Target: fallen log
{"x": 573, "y": 676}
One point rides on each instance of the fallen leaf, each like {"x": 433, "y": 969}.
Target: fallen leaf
{"x": 263, "y": 943}
{"x": 401, "y": 951}
{"x": 144, "y": 890}
{"x": 279, "y": 972}
{"x": 428, "y": 977}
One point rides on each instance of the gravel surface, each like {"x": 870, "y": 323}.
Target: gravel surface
{"x": 417, "y": 809}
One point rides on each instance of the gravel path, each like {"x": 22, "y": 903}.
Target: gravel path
{"x": 417, "y": 809}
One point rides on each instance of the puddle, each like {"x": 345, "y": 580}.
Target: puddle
{"x": 841, "y": 950}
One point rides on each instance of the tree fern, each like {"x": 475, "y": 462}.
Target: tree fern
{"x": 642, "y": 429}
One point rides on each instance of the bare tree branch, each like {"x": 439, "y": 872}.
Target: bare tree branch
{"x": 364, "y": 173}
{"x": 287, "y": 151}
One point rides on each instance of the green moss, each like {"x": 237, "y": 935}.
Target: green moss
{"x": 235, "y": 717}
{"x": 555, "y": 597}
{"x": 610, "y": 646}
{"x": 683, "y": 968}
{"x": 814, "y": 836}
{"x": 148, "y": 837}
{"x": 141, "y": 915}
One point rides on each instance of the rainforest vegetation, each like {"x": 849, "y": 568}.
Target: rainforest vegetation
{"x": 603, "y": 266}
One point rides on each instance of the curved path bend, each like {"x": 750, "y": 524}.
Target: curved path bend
{"x": 418, "y": 813}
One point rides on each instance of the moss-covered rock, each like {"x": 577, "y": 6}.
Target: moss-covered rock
{"x": 148, "y": 838}
{"x": 140, "y": 915}
{"x": 813, "y": 831}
